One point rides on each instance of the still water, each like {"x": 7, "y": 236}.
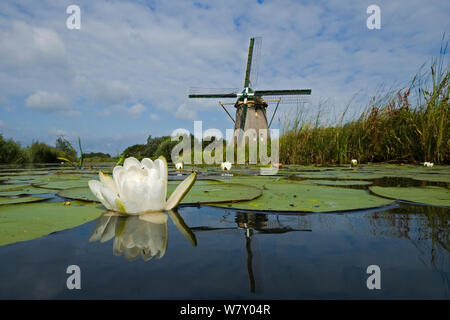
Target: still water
{"x": 227, "y": 254}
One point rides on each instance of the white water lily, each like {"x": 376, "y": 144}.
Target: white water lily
{"x": 179, "y": 165}
{"x": 226, "y": 165}
{"x": 139, "y": 187}
{"x": 354, "y": 162}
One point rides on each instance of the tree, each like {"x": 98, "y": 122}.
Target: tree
{"x": 11, "y": 152}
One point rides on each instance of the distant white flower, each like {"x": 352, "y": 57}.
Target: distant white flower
{"x": 428, "y": 164}
{"x": 139, "y": 187}
{"x": 226, "y": 165}
{"x": 354, "y": 162}
{"x": 179, "y": 165}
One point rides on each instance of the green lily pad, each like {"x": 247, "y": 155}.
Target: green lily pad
{"x": 12, "y": 187}
{"x": 65, "y": 184}
{"x": 16, "y": 200}
{"x": 294, "y": 196}
{"x": 78, "y": 193}
{"x": 433, "y": 177}
{"x": 218, "y": 192}
{"x": 338, "y": 182}
{"x": 29, "y": 221}
{"x": 27, "y": 190}
{"x": 431, "y": 195}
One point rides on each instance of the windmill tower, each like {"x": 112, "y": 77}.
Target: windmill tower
{"x": 251, "y": 105}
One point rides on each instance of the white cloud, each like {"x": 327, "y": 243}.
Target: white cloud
{"x": 47, "y": 102}
{"x": 2, "y": 124}
{"x": 135, "y": 110}
{"x": 23, "y": 45}
{"x": 185, "y": 113}
{"x": 57, "y": 132}
{"x": 154, "y": 116}
{"x": 112, "y": 92}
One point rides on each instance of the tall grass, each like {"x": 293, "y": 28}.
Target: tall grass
{"x": 389, "y": 129}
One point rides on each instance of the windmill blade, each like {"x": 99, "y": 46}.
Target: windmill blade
{"x": 249, "y": 62}
{"x": 290, "y": 99}
{"x": 254, "y": 68}
{"x": 282, "y": 92}
{"x": 213, "y": 93}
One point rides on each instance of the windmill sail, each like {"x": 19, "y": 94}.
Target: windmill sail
{"x": 256, "y": 57}
{"x": 282, "y": 92}
{"x": 213, "y": 92}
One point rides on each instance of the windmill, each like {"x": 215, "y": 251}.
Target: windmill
{"x": 251, "y": 105}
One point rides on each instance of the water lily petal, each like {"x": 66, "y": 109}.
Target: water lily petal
{"x": 156, "y": 200}
{"x": 131, "y": 162}
{"x": 181, "y": 190}
{"x": 147, "y": 163}
{"x": 118, "y": 173}
{"x": 161, "y": 162}
{"x": 132, "y": 207}
{"x": 109, "y": 198}
{"x": 96, "y": 187}
{"x": 132, "y": 179}
{"x": 154, "y": 217}
{"x": 108, "y": 181}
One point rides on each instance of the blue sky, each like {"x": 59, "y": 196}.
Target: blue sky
{"x": 126, "y": 73}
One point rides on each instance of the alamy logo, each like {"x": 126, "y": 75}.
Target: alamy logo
{"x": 374, "y": 20}
{"x": 74, "y": 280}
{"x": 74, "y": 20}
{"x": 374, "y": 280}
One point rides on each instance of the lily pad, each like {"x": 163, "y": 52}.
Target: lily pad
{"x": 29, "y": 221}
{"x": 16, "y": 200}
{"x": 78, "y": 193}
{"x": 338, "y": 182}
{"x": 219, "y": 192}
{"x": 433, "y": 177}
{"x": 12, "y": 187}
{"x": 294, "y": 196}
{"x": 65, "y": 184}
{"x": 27, "y": 190}
{"x": 431, "y": 195}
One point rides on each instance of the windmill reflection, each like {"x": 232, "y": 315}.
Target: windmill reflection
{"x": 258, "y": 223}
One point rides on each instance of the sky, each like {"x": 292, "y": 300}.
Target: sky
{"x": 126, "y": 73}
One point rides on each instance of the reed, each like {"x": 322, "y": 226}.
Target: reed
{"x": 389, "y": 129}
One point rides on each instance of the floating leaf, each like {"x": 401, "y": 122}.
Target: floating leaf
{"x": 16, "y": 200}
{"x": 78, "y": 193}
{"x": 28, "y": 190}
{"x": 65, "y": 184}
{"x": 29, "y": 221}
{"x": 338, "y": 182}
{"x": 293, "y": 196}
{"x": 12, "y": 187}
{"x": 435, "y": 196}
